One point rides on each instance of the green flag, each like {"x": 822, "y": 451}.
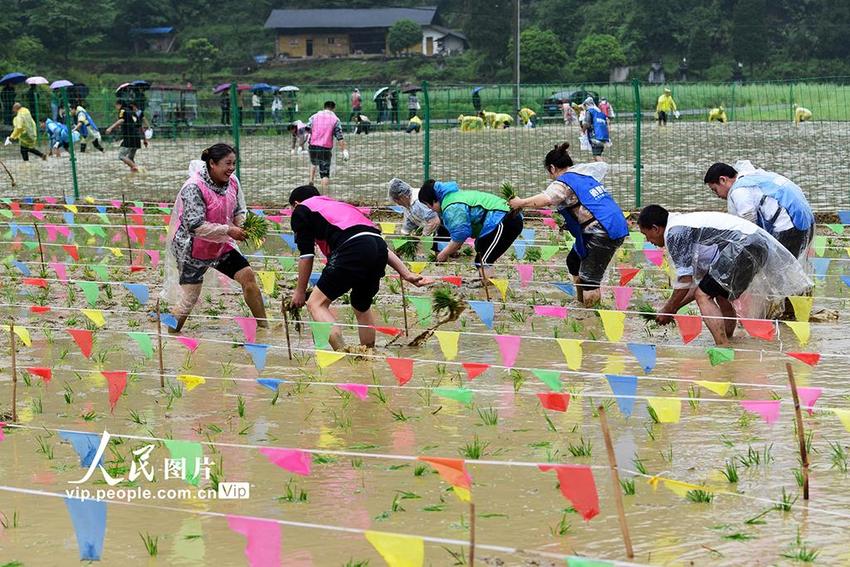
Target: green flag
{"x": 398, "y": 243}
{"x": 192, "y": 453}
{"x": 546, "y": 252}
{"x": 637, "y": 239}
{"x": 836, "y": 228}
{"x": 719, "y": 355}
{"x": 819, "y": 244}
{"x": 101, "y": 271}
{"x": 287, "y": 263}
{"x": 94, "y": 230}
{"x": 91, "y": 291}
{"x": 144, "y": 342}
{"x": 574, "y": 561}
{"x": 6, "y": 213}
{"x": 321, "y": 332}
{"x": 426, "y": 242}
{"x": 461, "y": 395}
{"x": 30, "y": 245}
{"x": 423, "y": 309}
{"x": 551, "y": 378}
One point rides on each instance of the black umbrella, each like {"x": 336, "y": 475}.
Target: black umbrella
{"x": 411, "y": 89}
{"x": 141, "y": 85}
{"x": 12, "y": 78}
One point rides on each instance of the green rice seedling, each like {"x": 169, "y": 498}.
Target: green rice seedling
{"x": 7, "y": 523}
{"x": 738, "y": 536}
{"x": 175, "y": 390}
{"x": 90, "y": 415}
{"x": 757, "y": 519}
{"x": 562, "y": 528}
{"x": 136, "y": 418}
{"x": 420, "y": 470}
{"x": 357, "y": 563}
{"x": 488, "y": 416}
{"x": 44, "y": 447}
{"x": 638, "y": 464}
{"x": 434, "y": 508}
{"x": 26, "y": 377}
{"x": 292, "y": 493}
{"x": 730, "y": 472}
{"x": 256, "y": 228}
{"x": 652, "y": 415}
{"x": 68, "y": 395}
{"x": 700, "y": 496}
{"x": 151, "y": 543}
{"x": 755, "y": 458}
{"x": 474, "y": 450}
{"x": 399, "y": 415}
{"x": 506, "y": 190}
{"x": 583, "y": 449}
{"x": 628, "y": 486}
{"x": 409, "y": 249}
{"x": 517, "y": 379}
{"x": 800, "y": 552}
{"x": 459, "y": 556}
{"x": 240, "y": 407}
{"x": 36, "y": 406}
{"x": 786, "y": 501}
{"x": 227, "y": 368}
{"x": 646, "y": 310}
{"x": 694, "y": 394}
{"x": 798, "y": 476}
{"x": 357, "y": 463}
{"x": 396, "y": 506}
{"x": 533, "y": 254}
{"x": 650, "y": 431}
{"x": 549, "y": 423}
{"x": 667, "y": 456}
{"x": 838, "y": 456}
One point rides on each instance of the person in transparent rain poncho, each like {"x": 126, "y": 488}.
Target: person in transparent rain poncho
{"x": 205, "y": 225}
{"x": 720, "y": 259}
{"x": 418, "y": 217}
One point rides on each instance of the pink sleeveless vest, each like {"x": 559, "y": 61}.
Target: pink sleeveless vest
{"x": 341, "y": 215}
{"x": 322, "y": 130}
{"x": 219, "y": 211}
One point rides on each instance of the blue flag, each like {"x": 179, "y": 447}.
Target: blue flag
{"x": 258, "y": 354}
{"x": 89, "y": 519}
{"x": 519, "y": 248}
{"x": 645, "y": 355}
{"x": 290, "y": 241}
{"x": 85, "y": 444}
{"x": 22, "y": 267}
{"x": 259, "y": 212}
{"x": 623, "y": 386}
{"x": 314, "y": 277}
{"x": 846, "y": 280}
{"x": 271, "y": 383}
{"x": 844, "y": 217}
{"x": 140, "y": 291}
{"x": 28, "y": 200}
{"x": 529, "y": 234}
{"x": 821, "y": 266}
{"x": 398, "y": 209}
{"x": 566, "y": 287}
{"x": 485, "y": 310}
{"x": 168, "y": 320}
{"x": 101, "y": 209}
{"x": 69, "y": 218}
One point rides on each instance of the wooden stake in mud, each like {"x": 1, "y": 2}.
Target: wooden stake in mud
{"x": 284, "y": 307}
{"x": 159, "y": 345}
{"x": 404, "y": 306}
{"x": 471, "y": 533}
{"x": 14, "y": 372}
{"x": 127, "y": 230}
{"x": 801, "y": 434}
{"x": 615, "y": 483}
{"x": 40, "y": 248}
{"x": 484, "y": 282}
{"x": 9, "y": 173}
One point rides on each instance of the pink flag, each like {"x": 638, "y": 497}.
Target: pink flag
{"x": 359, "y": 390}
{"x": 509, "y": 347}
{"x": 116, "y": 203}
{"x": 291, "y": 460}
{"x": 137, "y": 210}
{"x": 550, "y": 311}
{"x": 654, "y": 255}
{"x": 767, "y": 409}
{"x": 249, "y": 327}
{"x": 2, "y": 425}
{"x": 189, "y": 343}
{"x": 551, "y": 223}
{"x": 38, "y": 214}
{"x": 51, "y": 200}
{"x": 117, "y": 237}
{"x": 808, "y": 397}
{"x": 154, "y": 256}
{"x": 64, "y": 231}
{"x": 622, "y": 296}
{"x": 526, "y": 273}
{"x": 51, "y": 232}
{"x": 263, "y": 539}
{"x": 61, "y": 271}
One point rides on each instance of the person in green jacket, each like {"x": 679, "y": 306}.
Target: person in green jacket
{"x": 24, "y": 131}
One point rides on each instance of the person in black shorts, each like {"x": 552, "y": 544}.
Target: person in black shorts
{"x": 357, "y": 259}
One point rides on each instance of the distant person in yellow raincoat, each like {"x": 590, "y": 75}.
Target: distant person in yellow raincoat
{"x": 468, "y": 123}
{"x": 487, "y": 117}
{"x": 528, "y": 117}
{"x": 801, "y": 114}
{"x": 24, "y": 131}
{"x": 665, "y": 106}
{"x": 718, "y": 114}
{"x": 502, "y": 120}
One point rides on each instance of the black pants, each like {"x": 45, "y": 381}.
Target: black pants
{"x": 490, "y": 247}
{"x": 662, "y": 117}
{"x": 96, "y": 144}
{"x": 25, "y": 153}
{"x": 794, "y": 240}
{"x": 225, "y": 116}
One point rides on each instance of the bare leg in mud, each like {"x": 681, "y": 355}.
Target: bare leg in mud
{"x": 248, "y": 280}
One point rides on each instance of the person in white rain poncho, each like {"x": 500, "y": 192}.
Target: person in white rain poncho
{"x": 418, "y": 217}
{"x": 718, "y": 257}
{"x": 205, "y": 225}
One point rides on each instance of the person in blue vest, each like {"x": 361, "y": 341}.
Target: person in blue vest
{"x": 87, "y": 128}
{"x": 590, "y": 213}
{"x": 768, "y": 199}
{"x": 595, "y": 127}
{"x": 57, "y": 134}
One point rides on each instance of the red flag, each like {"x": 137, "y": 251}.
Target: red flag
{"x": 83, "y": 338}
{"x": 136, "y": 268}
{"x": 137, "y": 219}
{"x": 116, "y": 382}
{"x": 39, "y": 309}
{"x": 759, "y": 328}
{"x": 402, "y": 368}
{"x": 454, "y": 280}
{"x": 690, "y": 326}
{"x": 38, "y": 207}
{"x": 627, "y": 274}
{"x": 138, "y": 234}
{"x": 44, "y": 373}
{"x": 72, "y": 251}
{"x": 391, "y": 331}
{"x": 37, "y": 282}
{"x": 554, "y": 401}
{"x": 16, "y": 208}
{"x": 577, "y": 485}
{"x": 452, "y": 471}
{"x": 166, "y": 219}
{"x": 810, "y": 358}
{"x": 474, "y": 369}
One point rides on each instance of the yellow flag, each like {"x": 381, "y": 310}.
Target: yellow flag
{"x": 667, "y": 410}
{"x": 387, "y": 227}
{"x": 572, "y": 352}
{"x": 22, "y": 334}
{"x": 267, "y": 279}
{"x": 614, "y": 324}
{"x": 844, "y": 416}
{"x": 679, "y": 488}
{"x": 626, "y": 214}
{"x": 719, "y": 388}
{"x": 615, "y": 364}
{"x": 448, "y": 343}
{"x": 847, "y": 250}
{"x": 191, "y": 381}
{"x": 89, "y": 199}
{"x": 462, "y": 493}
{"x": 417, "y": 267}
{"x": 95, "y": 315}
{"x": 115, "y": 252}
{"x": 802, "y": 307}
{"x": 325, "y": 358}
{"x": 72, "y": 208}
{"x": 398, "y": 550}
{"x": 501, "y": 285}
{"x": 802, "y": 329}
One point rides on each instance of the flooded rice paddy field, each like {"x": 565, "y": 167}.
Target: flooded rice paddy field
{"x": 363, "y": 472}
{"x": 674, "y": 160}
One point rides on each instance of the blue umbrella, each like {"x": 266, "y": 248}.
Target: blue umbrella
{"x": 12, "y": 78}
{"x": 476, "y": 89}
{"x": 262, "y": 87}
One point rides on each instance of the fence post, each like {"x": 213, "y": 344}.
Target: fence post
{"x": 426, "y": 134}
{"x": 791, "y": 99}
{"x": 70, "y": 123}
{"x": 638, "y": 166}
{"x": 732, "y": 113}
{"x": 235, "y": 124}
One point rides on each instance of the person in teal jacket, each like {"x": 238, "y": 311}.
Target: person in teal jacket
{"x": 472, "y": 214}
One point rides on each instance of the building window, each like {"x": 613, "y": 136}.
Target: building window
{"x": 293, "y": 41}
{"x": 331, "y": 40}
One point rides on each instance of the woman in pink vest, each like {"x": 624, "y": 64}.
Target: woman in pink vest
{"x": 205, "y": 225}
{"x": 357, "y": 257}
{"x": 324, "y": 127}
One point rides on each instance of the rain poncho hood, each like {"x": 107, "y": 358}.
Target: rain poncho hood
{"x": 787, "y": 193}
{"x": 24, "y": 128}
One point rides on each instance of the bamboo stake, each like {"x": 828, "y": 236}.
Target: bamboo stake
{"x": 471, "y": 533}
{"x": 127, "y": 229}
{"x": 14, "y": 372}
{"x": 404, "y": 306}
{"x": 615, "y": 483}
{"x": 801, "y": 434}
{"x": 484, "y": 282}
{"x": 40, "y": 248}
{"x": 283, "y": 309}
{"x": 159, "y": 345}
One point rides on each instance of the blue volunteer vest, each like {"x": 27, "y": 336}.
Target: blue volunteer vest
{"x": 789, "y": 196}
{"x": 91, "y": 124}
{"x": 593, "y": 196}
{"x": 600, "y": 124}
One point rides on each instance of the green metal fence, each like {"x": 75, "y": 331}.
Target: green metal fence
{"x": 649, "y": 163}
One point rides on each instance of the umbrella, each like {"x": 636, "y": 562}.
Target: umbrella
{"x": 140, "y": 84}
{"x": 121, "y": 87}
{"x": 37, "y": 81}
{"x": 411, "y": 89}
{"x": 221, "y": 88}
{"x": 289, "y": 89}
{"x": 262, "y": 87}
{"x": 379, "y": 93}
{"x": 476, "y": 89}
{"x": 62, "y": 83}
{"x": 12, "y": 78}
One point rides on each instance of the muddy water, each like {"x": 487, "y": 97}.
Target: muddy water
{"x": 674, "y": 159}
{"x": 516, "y": 506}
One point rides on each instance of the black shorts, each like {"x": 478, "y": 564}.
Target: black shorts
{"x": 490, "y": 247}
{"x": 229, "y": 265}
{"x": 662, "y": 117}
{"x": 733, "y": 270}
{"x": 321, "y": 158}
{"x": 794, "y": 240}
{"x": 596, "y": 147}
{"x": 358, "y": 265}
{"x": 591, "y": 268}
